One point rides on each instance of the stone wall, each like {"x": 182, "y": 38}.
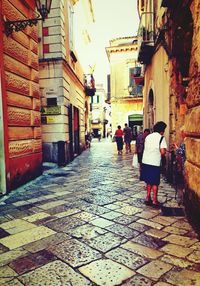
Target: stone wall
{"x": 192, "y": 123}
{"x": 23, "y": 96}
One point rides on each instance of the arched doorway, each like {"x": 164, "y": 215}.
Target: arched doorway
{"x": 150, "y": 110}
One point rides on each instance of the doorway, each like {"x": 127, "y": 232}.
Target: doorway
{"x": 135, "y": 122}
{"x": 76, "y": 131}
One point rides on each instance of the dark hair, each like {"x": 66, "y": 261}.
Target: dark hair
{"x": 118, "y": 126}
{"x": 159, "y": 126}
{"x": 147, "y": 130}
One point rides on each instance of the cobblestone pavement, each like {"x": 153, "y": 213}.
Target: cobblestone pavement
{"x": 86, "y": 224}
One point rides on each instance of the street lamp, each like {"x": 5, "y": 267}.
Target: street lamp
{"x": 43, "y": 7}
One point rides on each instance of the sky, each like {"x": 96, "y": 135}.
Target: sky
{"x": 113, "y": 19}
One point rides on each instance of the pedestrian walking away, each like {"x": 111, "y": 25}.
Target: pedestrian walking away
{"x": 119, "y": 139}
{"x": 154, "y": 148}
{"x": 99, "y": 135}
{"x": 139, "y": 146}
{"x": 127, "y": 137}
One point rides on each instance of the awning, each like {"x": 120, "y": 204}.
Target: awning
{"x": 135, "y": 117}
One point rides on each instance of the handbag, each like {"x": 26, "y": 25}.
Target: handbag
{"x": 135, "y": 161}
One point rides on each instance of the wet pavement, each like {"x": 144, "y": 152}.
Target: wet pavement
{"x": 86, "y": 224}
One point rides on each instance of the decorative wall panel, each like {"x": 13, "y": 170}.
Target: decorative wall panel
{"x": 19, "y": 116}
{"x": 17, "y": 84}
{"x": 20, "y": 133}
{"x": 15, "y": 50}
{"x": 15, "y": 99}
{"x": 20, "y": 148}
{"x": 13, "y": 66}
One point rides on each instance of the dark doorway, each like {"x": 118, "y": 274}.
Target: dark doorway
{"x": 71, "y": 138}
{"x": 76, "y": 131}
{"x": 135, "y": 121}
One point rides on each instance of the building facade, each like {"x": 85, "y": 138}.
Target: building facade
{"x": 61, "y": 85}
{"x": 100, "y": 118}
{"x": 168, "y": 49}
{"x": 83, "y": 34}
{"x": 43, "y": 99}
{"x": 126, "y": 82}
{"x": 21, "y": 142}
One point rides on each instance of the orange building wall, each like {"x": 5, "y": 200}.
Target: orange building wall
{"x": 20, "y": 61}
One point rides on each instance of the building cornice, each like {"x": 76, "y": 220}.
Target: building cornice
{"x": 120, "y": 49}
{"x": 128, "y": 99}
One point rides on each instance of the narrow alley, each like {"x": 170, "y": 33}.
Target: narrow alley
{"x": 86, "y": 224}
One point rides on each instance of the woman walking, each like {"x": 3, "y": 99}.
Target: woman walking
{"x": 127, "y": 137}
{"x": 119, "y": 139}
{"x": 155, "y": 146}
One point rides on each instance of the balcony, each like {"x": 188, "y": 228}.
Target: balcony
{"x": 169, "y": 3}
{"x": 89, "y": 85}
{"x": 136, "y": 81}
{"x": 90, "y": 91}
{"x": 146, "y": 35}
{"x": 135, "y": 90}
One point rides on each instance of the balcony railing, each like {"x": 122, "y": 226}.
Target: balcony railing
{"x": 146, "y": 37}
{"x": 135, "y": 91}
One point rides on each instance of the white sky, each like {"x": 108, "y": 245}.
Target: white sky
{"x": 113, "y": 19}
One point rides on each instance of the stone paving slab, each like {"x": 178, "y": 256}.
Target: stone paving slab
{"x": 176, "y": 250}
{"x": 37, "y": 216}
{"x": 87, "y": 224}
{"x": 138, "y": 280}
{"x": 16, "y": 226}
{"x": 32, "y": 261}
{"x": 75, "y": 252}
{"x": 86, "y": 231}
{"x": 106, "y": 272}
{"x": 65, "y": 223}
{"x": 154, "y": 269}
{"x": 25, "y": 237}
{"x": 122, "y": 231}
{"x": 127, "y": 258}
{"x": 142, "y": 250}
{"x": 183, "y": 278}
{"x": 46, "y": 242}
{"x": 54, "y": 273}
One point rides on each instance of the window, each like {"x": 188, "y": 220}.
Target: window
{"x": 52, "y": 101}
{"x": 95, "y": 99}
{"x": 71, "y": 28}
